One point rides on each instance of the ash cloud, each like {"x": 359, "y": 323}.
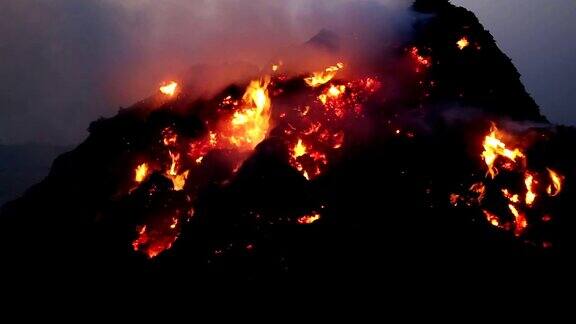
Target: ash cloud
{"x": 63, "y": 63}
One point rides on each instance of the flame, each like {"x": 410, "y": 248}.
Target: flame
{"x": 141, "y": 172}
{"x": 309, "y": 219}
{"x": 494, "y": 148}
{"x": 492, "y": 218}
{"x": 323, "y": 77}
{"x": 512, "y": 197}
{"x": 169, "y": 137}
{"x": 173, "y": 166}
{"x": 169, "y": 89}
{"x": 556, "y": 187}
{"x": 520, "y": 221}
{"x": 299, "y": 149}
{"x": 332, "y": 93}
{"x": 530, "y": 194}
{"x": 463, "y": 43}
{"x": 250, "y": 124}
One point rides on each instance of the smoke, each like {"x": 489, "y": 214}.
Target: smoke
{"x": 63, "y": 63}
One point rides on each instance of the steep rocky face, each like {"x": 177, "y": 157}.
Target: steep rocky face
{"x": 385, "y": 196}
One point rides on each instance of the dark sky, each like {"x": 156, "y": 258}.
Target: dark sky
{"x": 64, "y": 63}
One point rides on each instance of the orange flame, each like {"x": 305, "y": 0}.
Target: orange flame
{"x": 323, "y": 77}
{"x": 178, "y": 180}
{"x": 556, "y": 187}
{"x": 494, "y": 148}
{"x": 463, "y": 43}
{"x": 309, "y": 219}
{"x": 530, "y": 194}
{"x": 520, "y": 221}
{"x": 299, "y": 149}
{"x": 141, "y": 172}
{"x": 169, "y": 89}
{"x": 250, "y": 124}
{"x": 492, "y": 218}
{"x": 332, "y": 92}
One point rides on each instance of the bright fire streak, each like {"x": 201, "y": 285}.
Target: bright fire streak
{"x": 493, "y": 148}
{"x": 175, "y": 157}
{"x": 519, "y": 220}
{"x": 141, "y": 172}
{"x": 169, "y": 89}
{"x": 463, "y": 43}
{"x": 299, "y": 149}
{"x": 333, "y": 92}
{"x": 530, "y": 194}
{"x": 309, "y": 219}
{"x": 556, "y": 186}
{"x": 250, "y": 125}
{"x": 179, "y": 180}
{"x": 491, "y": 218}
{"x": 323, "y": 77}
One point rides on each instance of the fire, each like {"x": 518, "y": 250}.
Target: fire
{"x": 250, "y": 125}
{"x": 494, "y": 148}
{"x": 178, "y": 180}
{"x": 425, "y": 61}
{"x": 141, "y": 172}
{"x": 169, "y": 89}
{"x": 175, "y": 158}
{"x": 309, "y": 219}
{"x": 332, "y": 92}
{"x": 463, "y": 43}
{"x": 530, "y": 194}
{"x": 323, "y": 77}
{"x": 556, "y": 186}
{"x": 299, "y": 149}
{"x": 524, "y": 206}
{"x": 491, "y": 218}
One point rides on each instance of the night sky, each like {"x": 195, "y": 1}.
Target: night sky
{"x": 64, "y": 63}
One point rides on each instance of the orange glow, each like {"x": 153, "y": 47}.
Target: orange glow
{"x": 512, "y": 197}
{"x": 299, "y": 149}
{"x": 175, "y": 158}
{"x": 178, "y": 180}
{"x": 250, "y": 125}
{"x": 519, "y": 220}
{"x": 463, "y": 43}
{"x": 556, "y": 186}
{"x": 530, "y": 194}
{"x": 141, "y": 172}
{"x": 323, "y": 77}
{"x": 169, "y": 89}
{"x": 309, "y": 219}
{"x": 494, "y": 148}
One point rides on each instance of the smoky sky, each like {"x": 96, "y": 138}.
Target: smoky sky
{"x": 64, "y": 63}
{"x": 538, "y": 35}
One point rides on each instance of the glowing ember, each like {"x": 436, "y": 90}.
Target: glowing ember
{"x": 169, "y": 89}
{"x": 494, "y": 148}
{"x": 462, "y": 43}
{"x": 323, "y": 77}
{"x": 520, "y": 222}
{"x": 309, "y": 219}
{"x": 424, "y": 61}
{"x": 556, "y": 186}
{"x": 141, "y": 172}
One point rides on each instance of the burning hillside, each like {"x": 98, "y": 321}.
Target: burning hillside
{"x": 440, "y": 154}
